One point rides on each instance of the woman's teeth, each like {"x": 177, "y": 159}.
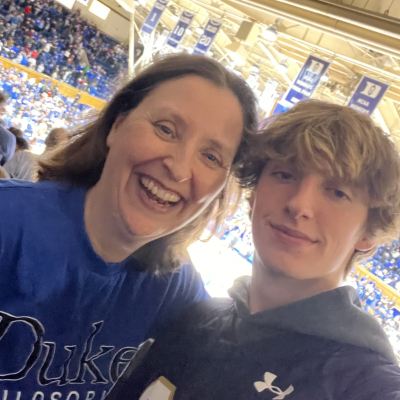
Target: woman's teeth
{"x": 162, "y": 194}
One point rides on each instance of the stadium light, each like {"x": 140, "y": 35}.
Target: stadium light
{"x": 325, "y": 78}
{"x": 271, "y": 34}
{"x": 283, "y": 67}
{"x": 199, "y": 30}
{"x": 255, "y": 68}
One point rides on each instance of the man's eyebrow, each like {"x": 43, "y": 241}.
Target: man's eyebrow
{"x": 342, "y": 182}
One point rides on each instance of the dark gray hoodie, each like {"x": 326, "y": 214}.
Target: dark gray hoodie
{"x": 325, "y": 347}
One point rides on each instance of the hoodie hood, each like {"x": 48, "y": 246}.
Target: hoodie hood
{"x": 336, "y": 314}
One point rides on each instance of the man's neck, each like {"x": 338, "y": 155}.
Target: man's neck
{"x": 109, "y": 238}
{"x": 271, "y": 288}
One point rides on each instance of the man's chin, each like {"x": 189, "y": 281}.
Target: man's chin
{"x": 283, "y": 271}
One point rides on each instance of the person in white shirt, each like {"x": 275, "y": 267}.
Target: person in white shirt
{"x": 40, "y": 68}
{"x": 18, "y": 59}
{"x": 31, "y": 62}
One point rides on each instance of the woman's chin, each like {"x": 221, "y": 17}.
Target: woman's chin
{"x": 141, "y": 227}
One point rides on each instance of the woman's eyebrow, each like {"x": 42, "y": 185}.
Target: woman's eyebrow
{"x": 179, "y": 120}
{"x": 174, "y": 114}
{"x": 220, "y": 146}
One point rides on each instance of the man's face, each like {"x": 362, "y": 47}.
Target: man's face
{"x": 304, "y": 225}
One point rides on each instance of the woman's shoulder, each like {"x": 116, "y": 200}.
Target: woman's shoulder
{"x": 36, "y": 212}
{"x": 25, "y": 191}
{"x": 22, "y": 200}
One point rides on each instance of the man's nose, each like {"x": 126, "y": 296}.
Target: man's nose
{"x": 302, "y": 200}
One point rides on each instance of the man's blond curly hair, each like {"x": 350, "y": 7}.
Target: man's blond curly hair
{"x": 339, "y": 142}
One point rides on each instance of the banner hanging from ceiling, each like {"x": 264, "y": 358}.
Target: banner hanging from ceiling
{"x": 154, "y": 16}
{"x": 178, "y": 33}
{"x": 67, "y": 3}
{"x": 306, "y": 81}
{"x": 205, "y": 40}
{"x": 367, "y": 95}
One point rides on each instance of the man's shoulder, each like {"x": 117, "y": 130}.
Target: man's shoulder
{"x": 358, "y": 373}
{"x": 177, "y": 292}
{"x": 203, "y": 311}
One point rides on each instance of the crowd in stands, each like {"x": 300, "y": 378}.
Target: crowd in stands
{"x": 36, "y": 107}
{"x": 385, "y": 264}
{"x": 236, "y": 233}
{"x": 381, "y": 306}
{"x": 55, "y": 41}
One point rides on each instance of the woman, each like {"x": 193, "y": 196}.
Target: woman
{"x": 144, "y": 179}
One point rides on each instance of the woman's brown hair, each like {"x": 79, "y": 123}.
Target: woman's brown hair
{"x": 80, "y": 162}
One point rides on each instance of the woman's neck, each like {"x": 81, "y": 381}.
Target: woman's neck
{"x": 110, "y": 239}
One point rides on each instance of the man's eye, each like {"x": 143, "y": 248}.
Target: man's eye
{"x": 340, "y": 194}
{"x": 284, "y": 175}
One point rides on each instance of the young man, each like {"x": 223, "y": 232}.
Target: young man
{"x": 326, "y": 192}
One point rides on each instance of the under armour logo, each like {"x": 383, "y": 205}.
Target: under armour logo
{"x": 267, "y": 384}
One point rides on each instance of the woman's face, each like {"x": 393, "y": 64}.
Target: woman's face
{"x": 171, "y": 156}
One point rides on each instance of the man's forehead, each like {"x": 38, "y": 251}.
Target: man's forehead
{"x": 329, "y": 173}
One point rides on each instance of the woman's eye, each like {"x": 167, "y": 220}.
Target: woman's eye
{"x": 212, "y": 158}
{"x": 165, "y": 129}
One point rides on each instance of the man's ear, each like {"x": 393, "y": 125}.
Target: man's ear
{"x": 251, "y": 199}
{"x": 112, "y": 134}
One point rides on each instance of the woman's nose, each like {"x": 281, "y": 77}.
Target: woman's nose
{"x": 179, "y": 165}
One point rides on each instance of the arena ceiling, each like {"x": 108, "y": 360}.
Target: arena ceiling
{"x": 360, "y": 36}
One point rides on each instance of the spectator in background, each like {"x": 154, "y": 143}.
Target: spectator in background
{"x": 17, "y": 133}
{"x": 4, "y": 174}
{"x": 21, "y": 166}
{"x": 7, "y": 139}
{"x": 55, "y": 137}
{"x": 40, "y": 68}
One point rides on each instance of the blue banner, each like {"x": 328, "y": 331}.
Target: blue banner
{"x": 306, "y": 81}
{"x": 279, "y": 109}
{"x": 368, "y": 94}
{"x": 208, "y": 36}
{"x": 154, "y": 17}
{"x": 179, "y": 31}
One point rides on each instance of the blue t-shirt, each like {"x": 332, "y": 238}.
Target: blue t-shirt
{"x": 70, "y": 322}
